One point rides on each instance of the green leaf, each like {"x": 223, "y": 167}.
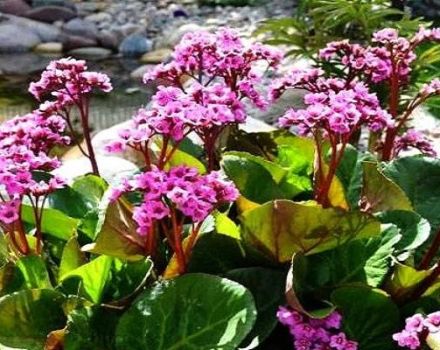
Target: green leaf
{"x": 363, "y": 261}
{"x": 267, "y": 288}
{"x": 217, "y": 253}
{"x": 280, "y": 228}
{"x": 382, "y": 194}
{"x": 195, "y": 311}
{"x": 72, "y": 257}
{"x": 88, "y": 280}
{"x": 91, "y": 188}
{"x": 414, "y": 230}
{"x": 91, "y": 328}
{"x": 28, "y": 316}
{"x": 54, "y": 222}
{"x": 34, "y": 272}
{"x": 126, "y": 277}
{"x": 419, "y": 178}
{"x": 11, "y": 279}
{"x": 225, "y": 226}
{"x": 369, "y": 317}
{"x": 350, "y": 174}
{"x": 116, "y": 231}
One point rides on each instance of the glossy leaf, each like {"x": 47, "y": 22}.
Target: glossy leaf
{"x": 381, "y": 193}
{"x": 225, "y": 226}
{"x": 280, "y": 228}
{"x": 267, "y": 288}
{"x": 370, "y": 317}
{"x": 116, "y": 231}
{"x": 195, "y": 311}
{"x": 72, "y": 257}
{"x": 34, "y": 272}
{"x": 28, "y": 316}
{"x": 91, "y": 328}
{"x": 89, "y": 279}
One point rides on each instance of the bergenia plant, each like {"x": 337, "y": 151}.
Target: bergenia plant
{"x": 222, "y": 71}
{"x": 417, "y": 330}
{"x": 25, "y": 145}
{"x": 67, "y": 85}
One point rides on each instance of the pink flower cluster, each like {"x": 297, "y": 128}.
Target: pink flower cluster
{"x": 417, "y": 328}
{"x": 334, "y": 106}
{"x": 414, "y": 139}
{"x": 68, "y": 81}
{"x": 195, "y": 196}
{"x": 433, "y": 88}
{"x": 376, "y": 62}
{"x": 174, "y": 113}
{"x": 24, "y": 146}
{"x": 222, "y": 55}
{"x": 315, "y": 334}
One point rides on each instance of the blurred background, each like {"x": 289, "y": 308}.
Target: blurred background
{"x": 125, "y": 38}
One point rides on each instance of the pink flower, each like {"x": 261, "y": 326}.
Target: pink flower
{"x": 407, "y": 339}
{"x": 432, "y": 322}
{"x": 338, "y": 341}
{"x": 414, "y": 139}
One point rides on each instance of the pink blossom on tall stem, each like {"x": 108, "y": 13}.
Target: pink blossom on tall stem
{"x": 69, "y": 82}
{"x": 24, "y": 146}
{"x": 222, "y": 73}
{"x": 336, "y": 109}
{"x": 387, "y": 61}
{"x": 170, "y": 199}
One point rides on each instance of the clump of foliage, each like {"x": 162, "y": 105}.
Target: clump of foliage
{"x": 222, "y": 234}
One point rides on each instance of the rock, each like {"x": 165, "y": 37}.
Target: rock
{"x": 255, "y": 125}
{"x": 46, "y": 32}
{"x": 109, "y": 168}
{"x": 81, "y": 27}
{"x": 99, "y": 17}
{"x": 14, "y": 7}
{"x": 156, "y": 56}
{"x": 139, "y": 73}
{"x": 104, "y": 137}
{"x": 23, "y": 63}
{"x": 90, "y": 53}
{"x": 61, "y": 3}
{"x": 49, "y": 48}
{"x": 174, "y": 38}
{"x": 50, "y": 14}
{"x": 130, "y": 28}
{"x": 71, "y": 42}
{"x": 109, "y": 39}
{"x": 14, "y": 38}
{"x": 135, "y": 45}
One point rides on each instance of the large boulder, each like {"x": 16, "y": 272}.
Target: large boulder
{"x": 14, "y": 38}
{"x": 156, "y": 56}
{"x": 81, "y": 27}
{"x": 111, "y": 168}
{"x": 71, "y": 42}
{"x": 14, "y": 7}
{"x": 22, "y": 64}
{"x": 135, "y": 45}
{"x": 109, "y": 39}
{"x": 173, "y": 38}
{"x": 50, "y": 14}
{"x": 46, "y": 32}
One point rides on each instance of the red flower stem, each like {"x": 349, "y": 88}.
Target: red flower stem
{"x": 84, "y": 113}
{"x": 178, "y": 249}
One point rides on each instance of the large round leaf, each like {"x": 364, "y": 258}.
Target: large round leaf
{"x": 281, "y": 228}
{"x": 28, "y": 316}
{"x": 369, "y": 316}
{"x": 195, "y": 311}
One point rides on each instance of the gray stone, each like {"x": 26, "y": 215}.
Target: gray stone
{"x": 50, "y": 14}
{"x": 138, "y": 73}
{"x": 99, "y": 17}
{"x": 71, "y": 42}
{"x": 14, "y": 7}
{"x": 90, "y": 53}
{"x": 81, "y": 27}
{"x": 46, "y": 32}
{"x": 135, "y": 45}
{"x": 49, "y": 48}
{"x": 109, "y": 39}
{"x": 174, "y": 38}
{"x": 14, "y": 38}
